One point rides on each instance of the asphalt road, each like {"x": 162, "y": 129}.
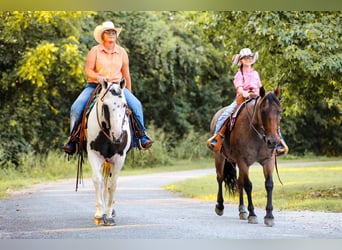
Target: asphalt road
{"x": 144, "y": 210}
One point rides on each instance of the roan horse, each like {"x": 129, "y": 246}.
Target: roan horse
{"x": 109, "y": 140}
{"x": 252, "y": 139}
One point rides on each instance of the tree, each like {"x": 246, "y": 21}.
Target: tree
{"x": 42, "y": 68}
{"x": 301, "y": 51}
{"x": 180, "y": 67}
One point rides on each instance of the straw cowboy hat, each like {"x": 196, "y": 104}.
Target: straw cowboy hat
{"x": 243, "y": 53}
{"x": 108, "y": 25}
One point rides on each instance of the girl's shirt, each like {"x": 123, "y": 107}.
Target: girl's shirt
{"x": 249, "y": 81}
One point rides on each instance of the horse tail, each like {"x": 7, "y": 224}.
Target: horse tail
{"x": 230, "y": 177}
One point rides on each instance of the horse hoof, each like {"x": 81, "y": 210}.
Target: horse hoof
{"x": 104, "y": 221}
{"x": 108, "y": 221}
{"x": 113, "y": 213}
{"x": 243, "y": 215}
{"x": 98, "y": 221}
{"x": 252, "y": 220}
{"x": 269, "y": 222}
{"x": 219, "y": 211}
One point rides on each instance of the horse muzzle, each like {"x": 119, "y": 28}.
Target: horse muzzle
{"x": 271, "y": 141}
{"x": 120, "y": 139}
{"x": 117, "y": 140}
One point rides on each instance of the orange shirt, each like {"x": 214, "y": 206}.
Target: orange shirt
{"x": 105, "y": 63}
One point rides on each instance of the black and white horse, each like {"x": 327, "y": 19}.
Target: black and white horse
{"x": 108, "y": 141}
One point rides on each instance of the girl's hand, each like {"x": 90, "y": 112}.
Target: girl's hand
{"x": 245, "y": 94}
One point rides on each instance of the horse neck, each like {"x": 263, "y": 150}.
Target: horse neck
{"x": 253, "y": 119}
{"x": 253, "y": 112}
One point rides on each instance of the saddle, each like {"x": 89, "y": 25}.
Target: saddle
{"x": 240, "y": 101}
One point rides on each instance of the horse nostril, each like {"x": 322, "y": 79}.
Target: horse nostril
{"x": 271, "y": 143}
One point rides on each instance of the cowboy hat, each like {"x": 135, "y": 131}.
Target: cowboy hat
{"x": 243, "y": 53}
{"x": 108, "y": 25}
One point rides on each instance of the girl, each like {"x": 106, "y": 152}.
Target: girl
{"x": 246, "y": 81}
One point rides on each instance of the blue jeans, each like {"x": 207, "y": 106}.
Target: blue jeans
{"x": 225, "y": 114}
{"x": 78, "y": 106}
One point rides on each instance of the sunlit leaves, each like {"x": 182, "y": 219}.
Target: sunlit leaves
{"x": 37, "y": 63}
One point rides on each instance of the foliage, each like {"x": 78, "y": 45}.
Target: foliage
{"x": 181, "y": 71}
{"x": 301, "y": 52}
{"x": 43, "y": 59}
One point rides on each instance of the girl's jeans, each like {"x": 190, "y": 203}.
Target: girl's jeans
{"x": 225, "y": 114}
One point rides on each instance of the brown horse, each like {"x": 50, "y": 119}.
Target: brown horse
{"x": 253, "y": 139}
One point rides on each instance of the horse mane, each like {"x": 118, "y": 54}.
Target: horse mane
{"x": 272, "y": 97}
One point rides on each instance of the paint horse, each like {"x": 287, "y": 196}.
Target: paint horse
{"x": 108, "y": 141}
{"x": 252, "y": 139}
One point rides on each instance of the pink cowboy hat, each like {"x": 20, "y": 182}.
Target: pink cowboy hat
{"x": 243, "y": 53}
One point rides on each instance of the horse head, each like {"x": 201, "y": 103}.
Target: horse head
{"x": 269, "y": 116}
{"x": 112, "y": 111}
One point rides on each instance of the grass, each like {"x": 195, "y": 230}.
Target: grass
{"x": 316, "y": 188}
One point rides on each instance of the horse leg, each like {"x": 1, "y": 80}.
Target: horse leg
{"x": 242, "y": 208}
{"x": 219, "y": 163}
{"x": 247, "y": 185}
{"x": 111, "y": 189}
{"x": 252, "y": 218}
{"x": 269, "y": 218}
{"x": 96, "y": 165}
{"x": 108, "y": 219}
{"x": 219, "y": 208}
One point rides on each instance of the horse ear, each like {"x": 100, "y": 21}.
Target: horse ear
{"x": 262, "y": 91}
{"x": 277, "y": 91}
{"x": 123, "y": 83}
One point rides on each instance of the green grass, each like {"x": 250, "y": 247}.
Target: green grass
{"x": 37, "y": 169}
{"x": 316, "y": 188}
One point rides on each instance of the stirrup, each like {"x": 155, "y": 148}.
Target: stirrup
{"x": 217, "y": 146}
{"x": 145, "y": 146}
{"x": 282, "y": 148}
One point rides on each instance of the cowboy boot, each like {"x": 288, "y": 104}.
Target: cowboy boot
{"x": 70, "y": 147}
{"x": 214, "y": 143}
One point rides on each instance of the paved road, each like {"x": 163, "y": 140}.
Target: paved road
{"x": 146, "y": 211}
